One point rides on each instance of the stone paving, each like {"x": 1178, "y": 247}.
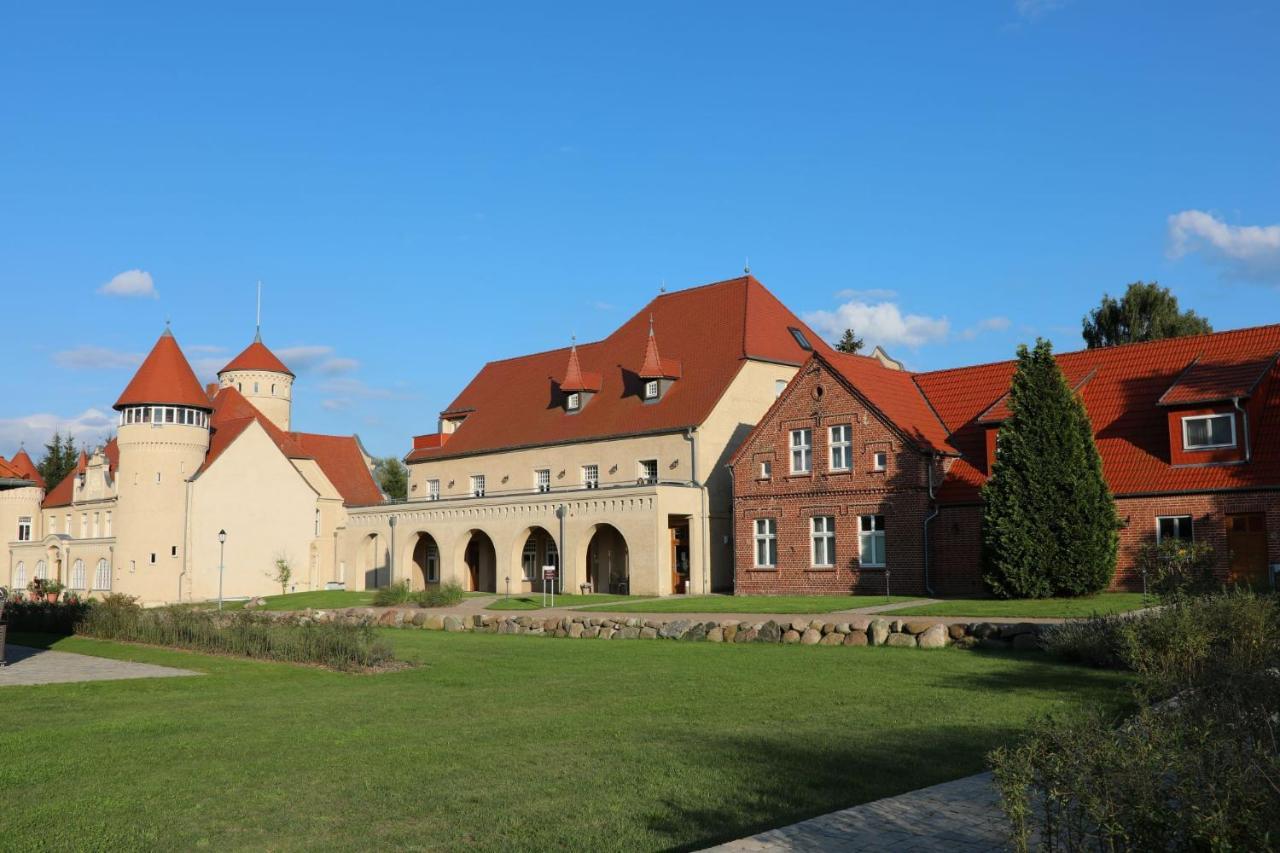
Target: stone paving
{"x": 27, "y": 666}
{"x": 962, "y": 816}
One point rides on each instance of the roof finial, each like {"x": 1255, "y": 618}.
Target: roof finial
{"x": 746, "y": 267}
{"x": 257, "y": 332}
{"x": 662, "y": 288}
{"x": 168, "y": 333}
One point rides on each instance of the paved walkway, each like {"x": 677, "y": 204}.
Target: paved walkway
{"x": 40, "y": 666}
{"x": 962, "y": 816}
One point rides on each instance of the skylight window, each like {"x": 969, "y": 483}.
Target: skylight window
{"x": 800, "y": 339}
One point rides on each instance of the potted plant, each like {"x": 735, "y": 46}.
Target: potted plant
{"x": 52, "y": 589}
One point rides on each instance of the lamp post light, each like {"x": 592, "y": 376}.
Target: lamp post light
{"x": 222, "y": 552}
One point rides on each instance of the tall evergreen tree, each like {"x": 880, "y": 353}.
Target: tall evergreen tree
{"x": 393, "y": 477}
{"x": 849, "y": 342}
{"x": 1146, "y": 312}
{"x": 59, "y": 460}
{"x": 1048, "y": 518}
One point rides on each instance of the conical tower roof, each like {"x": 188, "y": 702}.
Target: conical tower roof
{"x": 256, "y": 356}
{"x": 23, "y": 465}
{"x": 165, "y": 377}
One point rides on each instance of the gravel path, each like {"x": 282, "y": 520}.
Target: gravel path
{"x": 27, "y": 666}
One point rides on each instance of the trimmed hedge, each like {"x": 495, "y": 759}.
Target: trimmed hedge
{"x": 40, "y": 617}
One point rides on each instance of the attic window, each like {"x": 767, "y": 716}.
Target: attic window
{"x": 573, "y": 402}
{"x": 1205, "y": 432}
{"x": 651, "y": 389}
{"x": 800, "y": 339}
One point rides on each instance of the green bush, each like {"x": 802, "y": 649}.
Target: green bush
{"x": 254, "y": 635}
{"x": 1096, "y": 641}
{"x": 1176, "y": 569}
{"x": 1195, "y": 768}
{"x": 44, "y": 618}
{"x": 445, "y": 595}
{"x": 394, "y": 594}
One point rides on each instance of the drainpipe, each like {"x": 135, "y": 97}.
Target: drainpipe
{"x": 1244, "y": 417}
{"x": 929, "y": 460}
{"x": 690, "y": 435}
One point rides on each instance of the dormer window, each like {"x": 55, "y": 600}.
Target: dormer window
{"x": 800, "y": 339}
{"x": 1208, "y": 432}
{"x": 573, "y": 402}
{"x": 651, "y": 389}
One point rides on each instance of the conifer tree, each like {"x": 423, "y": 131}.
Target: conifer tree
{"x": 59, "y": 460}
{"x": 849, "y": 342}
{"x": 1048, "y": 519}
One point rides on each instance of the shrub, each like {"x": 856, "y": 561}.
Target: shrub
{"x": 396, "y": 593}
{"x": 332, "y": 644}
{"x": 41, "y": 617}
{"x": 1176, "y": 569}
{"x": 1096, "y": 641}
{"x": 445, "y": 595}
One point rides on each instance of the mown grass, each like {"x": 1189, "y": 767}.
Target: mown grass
{"x": 1063, "y": 608}
{"x": 496, "y": 743}
{"x": 533, "y": 601}
{"x": 753, "y": 603}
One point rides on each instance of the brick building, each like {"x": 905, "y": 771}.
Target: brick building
{"x": 861, "y": 469}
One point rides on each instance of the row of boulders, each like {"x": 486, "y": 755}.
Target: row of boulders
{"x": 859, "y": 631}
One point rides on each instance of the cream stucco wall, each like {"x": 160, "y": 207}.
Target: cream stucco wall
{"x": 18, "y": 502}
{"x": 270, "y": 393}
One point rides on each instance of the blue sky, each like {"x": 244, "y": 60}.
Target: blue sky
{"x": 424, "y": 187}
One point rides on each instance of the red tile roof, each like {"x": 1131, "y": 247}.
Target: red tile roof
{"x": 8, "y": 472}
{"x": 1216, "y": 381}
{"x": 999, "y": 411}
{"x": 1122, "y": 398}
{"x": 711, "y": 330}
{"x": 232, "y": 414}
{"x": 655, "y": 366}
{"x": 61, "y": 494}
{"x": 575, "y": 379}
{"x": 26, "y": 469}
{"x": 164, "y": 377}
{"x": 256, "y": 356}
{"x": 343, "y": 462}
{"x": 896, "y": 395}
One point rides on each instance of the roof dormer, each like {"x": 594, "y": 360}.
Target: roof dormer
{"x": 577, "y": 387}
{"x": 1208, "y": 408}
{"x": 656, "y": 373}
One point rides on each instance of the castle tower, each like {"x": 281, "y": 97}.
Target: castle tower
{"x": 163, "y": 439}
{"x": 263, "y": 379}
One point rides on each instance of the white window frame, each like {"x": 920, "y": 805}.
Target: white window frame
{"x": 1191, "y": 526}
{"x": 20, "y": 576}
{"x": 42, "y": 570}
{"x": 77, "y": 575}
{"x": 1186, "y": 441}
{"x": 766, "y": 469}
{"x": 590, "y": 476}
{"x": 433, "y": 490}
{"x": 800, "y": 444}
{"x": 573, "y": 402}
{"x": 24, "y": 528}
{"x": 779, "y": 385}
{"x": 102, "y": 575}
{"x": 529, "y": 558}
{"x": 477, "y": 485}
{"x": 822, "y": 529}
{"x": 642, "y": 474}
{"x": 766, "y": 542}
{"x": 840, "y": 449}
{"x": 879, "y": 460}
{"x": 867, "y": 540}
{"x": 542, "y": 480}
{"x": 651, "y": 389}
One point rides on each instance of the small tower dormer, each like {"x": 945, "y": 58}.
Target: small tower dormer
{"x": 577, "y": 387}
{"x": 657, "y": 374}
{"x": 263, "y": 379}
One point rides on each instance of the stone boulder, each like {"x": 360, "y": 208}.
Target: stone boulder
{"x": 575, "y": 630}
{"x": 748, "y": 635}
{"x": 957, "y": 631}
{"x": 715, "y": 635}
{"x": 833, "y": 639}
{"x": 769, "y": 632}
{"x": 811, "y": 637}
{"x": 934, "y": 637}
{"x": 900, "y": 639}
{"x": 730, "y": 632}
{"x": 697, "y": 631}
{"x": 791, "y": 636}
{"x": 675, "y": 629}
{"x": 647, "y": 633}
{"x": 878, "y": 632}
{"x": 799, "y": 626}
{"x": 916, "y": 627}
{"x": 855, "y": 638}
{"x": 454, "y": 624}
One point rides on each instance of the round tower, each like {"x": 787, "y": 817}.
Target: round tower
{"x": 163, "y": 438}
{"x": 264, "y": 381}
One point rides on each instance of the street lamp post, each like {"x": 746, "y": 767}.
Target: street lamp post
{"x": 222, "y": 552}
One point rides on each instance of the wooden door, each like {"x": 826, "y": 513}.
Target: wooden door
{"x": 1247, "y": 547}
{"x": 680, "y": 559}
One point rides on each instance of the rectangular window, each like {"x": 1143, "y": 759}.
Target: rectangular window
{"x": 824, "y": 540}
{"x": 840, "y": 440}
{"x": 102, "y": 576}
{"x": 24, "y": 529}
{"x": 477, "y": 485}
{"x": 801, "y": 451}
{"x": 766, "y": 469}
{"x": 591, "y": 476}
{"x": 766, "y": 543}
{"x": 529, "y": 559}
{"x": 433, "y": 490}
{"x": 1173, "y": 527}
{"x": 542, "y": 479}
{"x": 800, "y": 339}
{"x": 648, "y": 472}
{"x": 574, "y": 402}
{"x": 433, "y": 563}
{"x": 879, "y": 460}
{"x": 173, "y": 550}
{"x": 1204, "y": 432}
{"x": 168, "y": 416}
{"x": 651, "y": 389}
{"x": 871, "y": 540}
{"x": 779, "y": 385}
{"x": 153, "y": 558}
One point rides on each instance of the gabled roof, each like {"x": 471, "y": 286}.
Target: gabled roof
{"x": 8, "y": 472}
{"x": 1122, "y": 398}
{"x": 895, "y": 394}
{"x": 22, "y": 464}
{"x": 164, "y": 377}
{"x": 574, "y": 377}
{"x": 1216, "y": 381}
{"x": 1000, "y": 412}
{"x": 256, "y": 356}
{"x": 62, "y": 494}
{"x": 232, "y": 414}
{"x": 654, "y": 365}
{"x": 342, "y": 460}
{"x": 711, "y": 330}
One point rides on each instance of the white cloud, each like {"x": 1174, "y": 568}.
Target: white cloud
{"x": 90, "y": 427}
{"x": 317, "y": 357}
{"x": 87, "y": 357}
{"x": 880, "y": 323}
{"x": 1244, "y": 251}
{"x": 131, "y": 283}
{"x": 990, "y": 324}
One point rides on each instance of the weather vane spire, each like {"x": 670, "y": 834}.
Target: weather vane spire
{"x": 257, "y": 331}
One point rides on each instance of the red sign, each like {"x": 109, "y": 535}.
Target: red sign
{"x": 548, "y": 573}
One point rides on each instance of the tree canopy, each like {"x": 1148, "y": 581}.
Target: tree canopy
{"x": 59, "y": 460}
{"x": 849, "y": 342}
{"x": 1048, "y": 519}
{"x": 1146, "y": 312}
{"x": 392, "y": 477}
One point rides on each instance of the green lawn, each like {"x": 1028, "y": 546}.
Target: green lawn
{"x": 752, "y": 603}
{"x": 1107, "y": 602}
{"x": 533, "y": 601}
{"x": 496, "y": 742}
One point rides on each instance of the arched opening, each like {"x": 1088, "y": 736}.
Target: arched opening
{"x": 608, "y": 561}
{"x": 20, "y": 576}
{"x": 480, "y": 563}
{"x": 373, "y": 563}
{"x": 426, "y": 562}
{"x": 537, "y": 550}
